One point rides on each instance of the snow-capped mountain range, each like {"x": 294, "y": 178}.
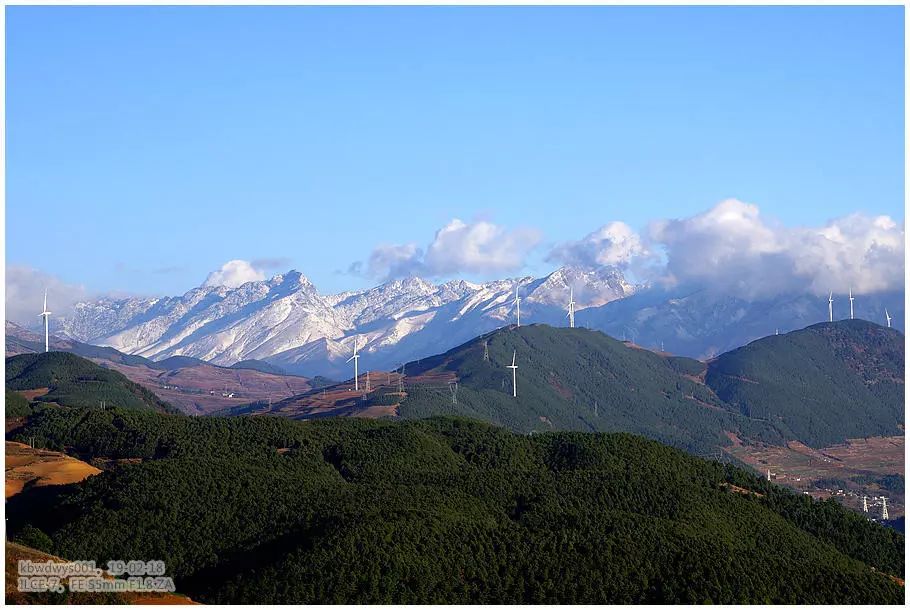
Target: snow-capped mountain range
{"x": 285, "y": 321}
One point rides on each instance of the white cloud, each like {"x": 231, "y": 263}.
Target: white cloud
{"x": 233, "y": 274}
{"x": 478, "y": 247}
{"x": 732, "y": 247}
{"x": 615, "y": 244}
{"x": 25, "y": 295}
{"x": 389, "y": 261}
{"x": 864, "y": 252}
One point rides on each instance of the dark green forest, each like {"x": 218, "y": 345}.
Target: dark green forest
{"x": 560, "y": 502}
{"x": 822, "y": 384}
{"x": 77, "y": 382}
{"x": 16, "y": 404}
{"x": 446, "y": 510}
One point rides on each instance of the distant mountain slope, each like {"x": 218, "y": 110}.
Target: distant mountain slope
{"x": 192, "y": 385}
{"x": 176, "y": 362}
{"x": 259, "y": 365}
{"x": 22, "y": 341}
{"x": 200, "y": 388}
{"x": 823, "y": 384}
{"x": 444, "y": 511}
{"x": 74, "y": 381}
{"x": 576, "y": 379}
{"x": 704, "y": 323}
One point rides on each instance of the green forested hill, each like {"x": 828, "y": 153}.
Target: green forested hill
{"x": 269, "y": 510}
{"x": 75, "y": 381}
{"x": 821, "y": 384}
{"x": 564, "y": 374}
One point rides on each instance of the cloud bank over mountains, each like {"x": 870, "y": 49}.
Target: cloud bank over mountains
{"x": 729, "y": 248}
{"x": 732, "y": 247}
{"x": 479, "y": 247}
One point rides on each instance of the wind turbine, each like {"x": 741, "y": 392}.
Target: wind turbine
{"x": 46, "y": 315}
{"x": 571, "y": 314}
{"x": 851, "y": 302}
{"x": 514, "y": 368}
{"x": 355, "y": 358}
{"x": 517, "y": 309}
{"x": 831, "y": 307}
{"x": 887, "y": 317}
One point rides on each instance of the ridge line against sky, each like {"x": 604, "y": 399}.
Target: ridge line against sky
{"x": 730, "y": 247}
{"x": 358, "y": 143}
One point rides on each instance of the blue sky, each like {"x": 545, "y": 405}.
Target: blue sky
{"x": 160, "y": 142}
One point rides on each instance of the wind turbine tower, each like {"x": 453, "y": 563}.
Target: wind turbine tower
{"x": 831, "y": 307}
{"x": 517, "y": 309}
{"x": 514, "y": 368}
{"x": 887, "y": 317}
{"x": 46, "y": 315}
{"x": 571, "y": 313}
{"x": 851, "y": 303}
{"x": 355, "y": 358}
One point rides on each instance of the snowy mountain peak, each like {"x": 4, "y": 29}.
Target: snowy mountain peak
{"x": 592, "y": 286}
{"x": 293, "y": 279}
{"x": 286, "y": 321}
